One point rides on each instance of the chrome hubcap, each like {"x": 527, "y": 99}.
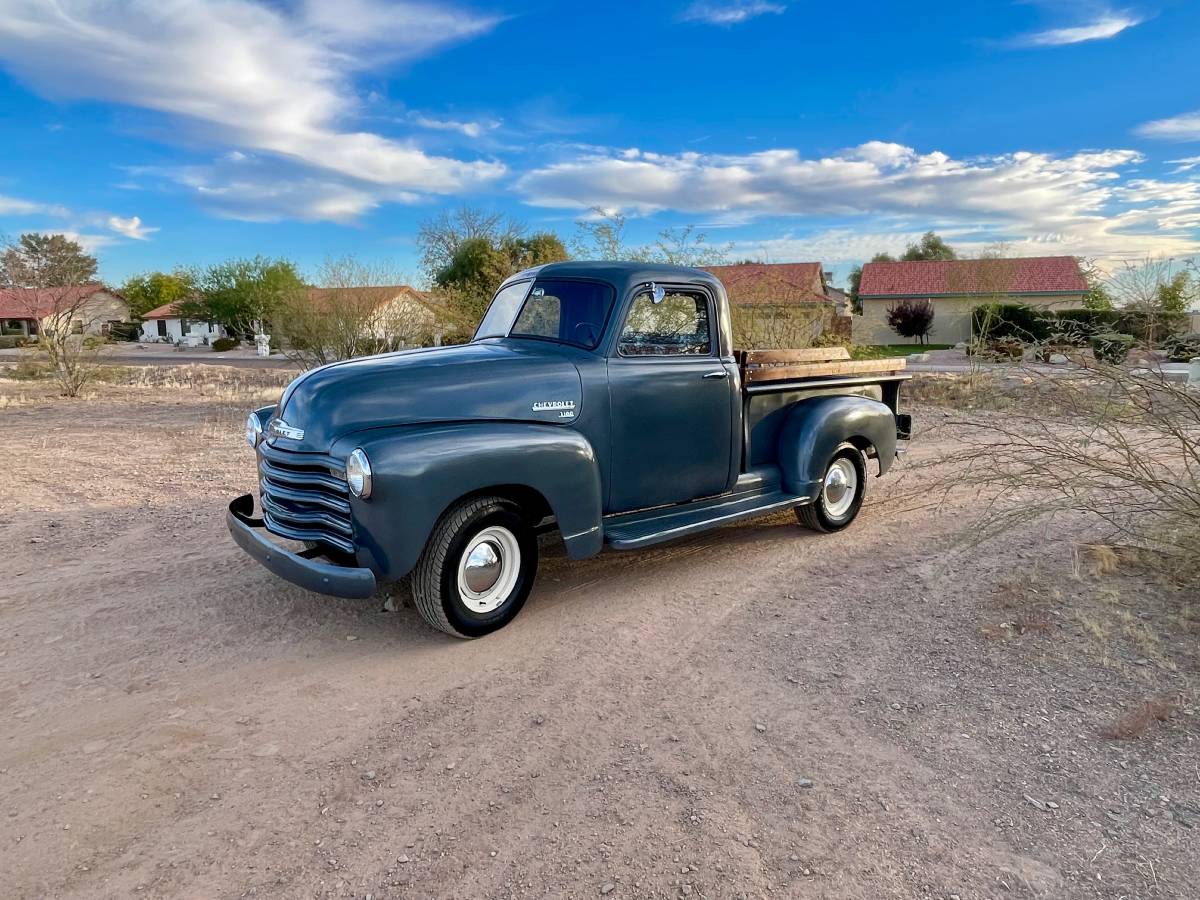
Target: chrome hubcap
{"x": 841, "y": 484}
{"x": 482, "y": 568}
{"x": 488, "y": 569}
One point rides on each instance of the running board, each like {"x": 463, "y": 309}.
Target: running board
{"x": 630, "y": 531}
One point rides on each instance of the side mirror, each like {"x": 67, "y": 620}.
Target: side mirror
{"x": 656, "y": 293}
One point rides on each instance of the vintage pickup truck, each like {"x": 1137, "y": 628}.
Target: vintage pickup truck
{"x": 601, "y": 400}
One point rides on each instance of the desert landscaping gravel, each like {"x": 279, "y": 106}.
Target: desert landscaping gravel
{"x": 757, "y": 712}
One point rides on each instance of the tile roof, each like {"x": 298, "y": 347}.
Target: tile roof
{"x": 37, "y": 303}
{"x": 956, "y": 277}
{"x": 772, "y": 284}
{"x": 166, "y": 311}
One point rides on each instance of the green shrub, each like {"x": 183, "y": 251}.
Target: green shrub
{"x": 93, "y": 342}
{"x": 1112, "y": 347}
{"x": 220, "y": 345}
{"x": 1182, "y": 348}
{"x": 1016, "y": 321}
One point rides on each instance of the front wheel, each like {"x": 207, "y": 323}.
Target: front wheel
{"x": 477, "y": 569}
{"x": 842, "y": 488}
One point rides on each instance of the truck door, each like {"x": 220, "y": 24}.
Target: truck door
{"x": 671, "y": 399}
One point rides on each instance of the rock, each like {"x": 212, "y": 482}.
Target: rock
{"x": 214, "y": 797}
{"x": 539, "y": 720}
{"x": 449, "y": 766}
{"x": 402, "y": 858}
{"x": 1058, "y": 359}
{"x": 961, "y": 345}
{"x": 760, "y": 727}
{"x": 896, "y": 706}
{"x": 369, "y": 775}
{"x": 804, "y": 782}
{"x": 918, "y": 357}
{"x": 352, "y": 637}
{"x": 607, "y": 888}
{"x": 1036, "y": 804}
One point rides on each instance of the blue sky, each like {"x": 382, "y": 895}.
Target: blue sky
{"x": 166, "y": 132}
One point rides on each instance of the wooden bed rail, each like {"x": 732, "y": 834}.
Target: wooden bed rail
{"x": 811, "y": 362}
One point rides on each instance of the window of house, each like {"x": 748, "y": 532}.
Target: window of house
{"x": 677, "y": 325}
{"x": 162, "y": 327}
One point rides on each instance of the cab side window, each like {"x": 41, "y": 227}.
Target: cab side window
{"x": 675, "y": 326}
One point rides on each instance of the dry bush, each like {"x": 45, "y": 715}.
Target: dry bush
{"x": 1134, "y": 724}
{"x": 780, "y": 327}
{"x": 1119, "y": 446}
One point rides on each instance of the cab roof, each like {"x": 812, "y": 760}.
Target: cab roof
{"x": 620, "y": 274}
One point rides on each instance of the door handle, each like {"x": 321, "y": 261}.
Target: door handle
{"x": 720, "y": 373}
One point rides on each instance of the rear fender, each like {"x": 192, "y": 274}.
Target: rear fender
{"x": 419, "y": 472}
{"x": 815, "y": 428}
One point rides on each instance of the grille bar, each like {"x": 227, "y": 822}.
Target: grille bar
{"x": 303, "y": 499}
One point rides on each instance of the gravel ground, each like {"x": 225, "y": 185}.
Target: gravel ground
{"x": 755, "y": 712}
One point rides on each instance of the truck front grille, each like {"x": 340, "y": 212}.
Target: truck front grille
{"x": 303, "y": 500}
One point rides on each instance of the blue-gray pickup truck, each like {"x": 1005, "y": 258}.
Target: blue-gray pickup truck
{"x": 603, "y": 401}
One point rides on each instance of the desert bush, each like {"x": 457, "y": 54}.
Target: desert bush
{"x": 911, "y": 318}
{"x": 1119, "y": 446}
{"x": 769, "y": 327}
{"x": 1012, "y": 321}
{"x": 10, "y": 341}
{"x": 1182, "y": 348}
{"x": 1112, "y": 347}
{"x": 222, "y": 345}
{"x": 1139, "y": 720}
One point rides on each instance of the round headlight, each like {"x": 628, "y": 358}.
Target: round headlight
{"x": 358, "y": 474}
{"x": 253, "y": 430}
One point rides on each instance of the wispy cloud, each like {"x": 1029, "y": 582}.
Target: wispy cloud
{"x": 1088, "y": 22}
{"x": 1184, "y": 165}
{"x": 1184, "y": 127}
{"x": 31, "y": 213}
{"x": 1079, "y": 203}
{"x": 250, "y": 74}
{"x": 730, "y": 13}
{"x": 467, "y": 128}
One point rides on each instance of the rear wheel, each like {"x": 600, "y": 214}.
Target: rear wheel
{"x": 477, "y": 568}
{"x": 842, "y": 488}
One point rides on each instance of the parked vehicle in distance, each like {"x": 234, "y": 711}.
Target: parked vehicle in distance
{"x": 603, "y": 400}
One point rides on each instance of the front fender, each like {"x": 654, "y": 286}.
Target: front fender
{"x": 419, "y": 471}
{"x": 816, "y": 427}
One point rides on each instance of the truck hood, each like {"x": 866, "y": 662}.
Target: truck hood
{"x": 521, "y": 381}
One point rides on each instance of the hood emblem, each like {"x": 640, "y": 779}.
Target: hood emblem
{"x": 280, "y": 428}
{"x": 564, "y": 408}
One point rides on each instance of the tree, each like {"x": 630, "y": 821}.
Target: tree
{"x": 856, "y": 278}
{"x": 358, "y": 309}
{"x": 479, "y": 265}
{"x": 45, "y": 261}
{"x": 441, "y": 236}
{"x": 911, "y": 318}
{"x": 242, "y": 294}
{"x": 52, "y": 271}
{"x": 1097, "y": 296}
{"x": 1160, "y": 296}
{"x": 150, "y": 290}
{"x": 931, "y": 246}
{"x": 603, "y": 238}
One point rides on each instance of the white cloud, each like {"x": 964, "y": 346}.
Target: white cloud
{"x": 14, "y": 206}
{"x": 1069, "y": 204}
{"x": 260, "y": 76}
{"x": 468, "y": 128}
{"x": 1105, "y": 26}
{"x": 730, "y": 13}
{"x": 131, "y": 228}
{"x": 1184, "y": 165}
{"x": 1184, "y": 127}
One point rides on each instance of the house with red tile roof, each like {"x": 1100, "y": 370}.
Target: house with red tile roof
{"x": 84, "y": 309}
{"x": 956, "y": 287}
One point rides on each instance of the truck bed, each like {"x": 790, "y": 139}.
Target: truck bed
{"x": 774, "y": 380}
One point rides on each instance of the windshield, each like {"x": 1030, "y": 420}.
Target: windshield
{"x": 571, "y": 312}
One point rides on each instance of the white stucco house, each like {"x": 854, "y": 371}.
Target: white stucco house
{"x": 164, "y": 324}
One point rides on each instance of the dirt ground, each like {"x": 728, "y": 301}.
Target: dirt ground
{"x": 756, "y": 712}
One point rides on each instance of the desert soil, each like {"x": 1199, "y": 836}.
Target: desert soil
{"x": 756, "y": 712}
